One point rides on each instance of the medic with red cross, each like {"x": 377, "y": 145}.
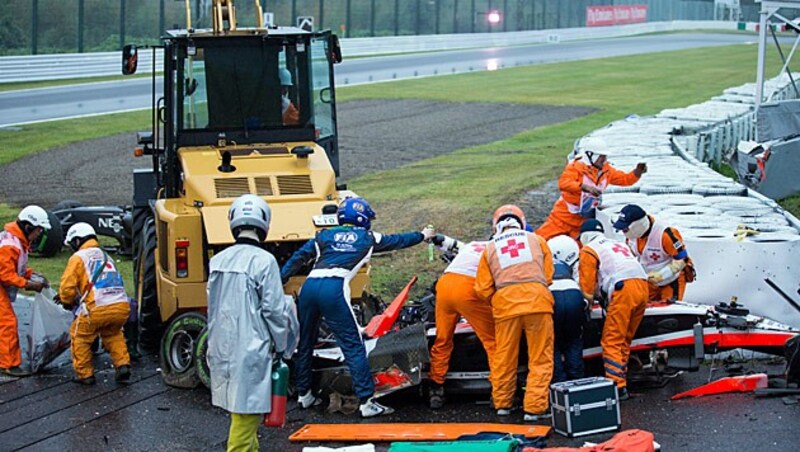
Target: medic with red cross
{"x": 610, "y": 272}
{"x": 661, "y": 251}
{"x": 514, "y": 272}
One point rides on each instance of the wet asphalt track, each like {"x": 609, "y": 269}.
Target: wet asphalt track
{"x": 48, "y": 412}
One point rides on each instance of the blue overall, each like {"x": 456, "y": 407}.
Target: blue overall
{"x": 569, "y": 317}
{"x": 338, "y": 254}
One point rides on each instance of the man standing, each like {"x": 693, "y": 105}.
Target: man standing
{"x": 569, "y": 312}
{"x": 582, "y": 184}
{"x": 514, "y": 272}
{"x": 456, "y": 297}
{"x": 337, "y": 255}
{"x": 91, "y": 281}
{"x": 609, "y": 271}
{"x": 15, "y": 242}
{"x": 249, "y": 319}
{"x": 660, "y": 250}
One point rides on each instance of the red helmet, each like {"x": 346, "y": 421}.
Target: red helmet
{"x": 509, "y": 210}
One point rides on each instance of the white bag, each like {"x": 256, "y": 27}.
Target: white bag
{"x": 48, "y": 336}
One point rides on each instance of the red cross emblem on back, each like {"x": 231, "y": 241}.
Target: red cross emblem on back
{"x": 655, "y": 256}
{"x": 513, "y": 248}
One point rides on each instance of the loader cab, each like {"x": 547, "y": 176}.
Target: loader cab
{"x": 236, "y": 88}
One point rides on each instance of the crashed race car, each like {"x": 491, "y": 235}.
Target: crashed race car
{"x": 671, "y": 337}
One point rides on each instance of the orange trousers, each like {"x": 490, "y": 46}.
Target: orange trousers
{"x": 10, "y": 354}
{"x": 672, "y": 291}
{"x": 624, "y": 315}
{"x": 456, "y": 297}
{"x": 538, "y": 330}
{"x": 561, "y": 222}
{"x": 105, "y": 322}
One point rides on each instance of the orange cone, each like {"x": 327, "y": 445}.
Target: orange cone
{"x": 745, "y": 383}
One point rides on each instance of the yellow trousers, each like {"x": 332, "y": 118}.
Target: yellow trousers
{"x": 455, "y": 296}
{"x": 105, "y": 322}
{"x": 243, "y": 434}
{"x": 625, "y": 313}
{"x": 538, "y": 330}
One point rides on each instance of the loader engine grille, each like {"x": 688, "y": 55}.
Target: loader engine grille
{"x": 263, "y": 186}
{"x": 295, "y": 185}
{"x": 231, "y": 187}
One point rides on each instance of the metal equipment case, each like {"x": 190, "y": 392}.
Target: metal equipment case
{"x": 585, "y": 406}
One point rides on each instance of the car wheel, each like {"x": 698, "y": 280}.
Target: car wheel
{"x": 177, "y": 357}
{"x": 52, "y": 242}
{"x": 200, "y": 351}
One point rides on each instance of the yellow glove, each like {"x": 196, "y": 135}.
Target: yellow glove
{"x": 655, "y": 277}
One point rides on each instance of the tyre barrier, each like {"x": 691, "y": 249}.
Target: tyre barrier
{"x": 677, "y": 200}
{"x": 773, "y": 237}
{"x": 773, "y": 227}
{"x": 706, "y": 212}
{"x": 611, "y": 199}
{"x": 757, "y": 217}
{"x": 688, "y": 222}
{"x": 621, "y": 189}
{"x": 753, "y": 212}
{"x": 719, "y": 189}
{"x": 708, "y": 234}
{"x": 665, "y": 188}
{"x": 738, "y": 203}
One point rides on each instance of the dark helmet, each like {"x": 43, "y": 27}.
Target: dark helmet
{"x": 355, "y": 211}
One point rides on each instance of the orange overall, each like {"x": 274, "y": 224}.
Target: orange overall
{"x": 670, "y": 246}
{"x": 514, "y": 273}
{"x": 627, "y": 290}
{"x": 14, "y": 274}
{"x": 565, "y": 217}
{"x": 95, "y": 320}
{"x": 455, "y": 297}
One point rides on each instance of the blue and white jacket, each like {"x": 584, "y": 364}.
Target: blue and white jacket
{"x": 341, "y": 251}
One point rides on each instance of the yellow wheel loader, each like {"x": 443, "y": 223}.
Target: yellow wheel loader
{"x": 240, "y": 110}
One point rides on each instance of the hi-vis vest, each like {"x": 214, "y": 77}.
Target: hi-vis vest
{"x": 8, "y": 239}
{"x": 467, "y": 260}
{"x": 108, "y": 289}
{"x": 515, "y": 257}
{"x": 653, "y": 257}
{"x": 588, "y": 200}
{"x": 617, "y": 263}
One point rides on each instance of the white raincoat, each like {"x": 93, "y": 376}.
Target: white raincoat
{"x": 249, "y": 317}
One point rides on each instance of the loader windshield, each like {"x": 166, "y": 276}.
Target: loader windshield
{"x": 244, "y": 85}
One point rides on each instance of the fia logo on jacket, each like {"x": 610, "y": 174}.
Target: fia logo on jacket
{"x": 513, "y": 249}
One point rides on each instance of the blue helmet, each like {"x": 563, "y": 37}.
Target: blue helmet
{"x": 355, "y": 211}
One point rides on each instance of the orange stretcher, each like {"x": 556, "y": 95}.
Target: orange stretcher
{"x": 408, "y": 432}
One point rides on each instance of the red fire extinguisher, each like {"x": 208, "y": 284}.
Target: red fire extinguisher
{"x": 280, "y": 385}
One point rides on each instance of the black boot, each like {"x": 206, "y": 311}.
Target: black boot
{"x": 436, "y": 396}
{"x": 123, "y": 374}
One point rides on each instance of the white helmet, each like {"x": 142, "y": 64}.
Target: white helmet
{"x": 592, "y": 147}
{"x": 250, "y": 210}
{"x": 564, "y": 248}
{"x": 36, "y": 216}
{"x": 79, "y": 231}
{"x": 286, "y": 77}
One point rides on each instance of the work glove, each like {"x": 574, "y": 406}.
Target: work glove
{"x": 655, "y": 277}
{"x": 640, "y": 169}
{"x": 33, "y": 285}
{"x": 428, "y": 232}
{"x": 41, "y": 278}
{"x": 589, "y": 189}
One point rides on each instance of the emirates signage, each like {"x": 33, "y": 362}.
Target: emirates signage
{"x": 601, "y": 16}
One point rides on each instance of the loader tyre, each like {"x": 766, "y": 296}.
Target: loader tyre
{"x": 177, "y": 355}
{"x": 140, "y": 216}
{"x": 150, "y": 326}
{"x": 52, "y": 242}
{"x": 200, "y": 351}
